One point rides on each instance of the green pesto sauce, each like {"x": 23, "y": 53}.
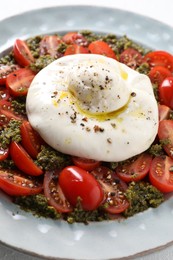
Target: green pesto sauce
{"x": 49, "y": 159}
{"x": 142, "y": 196}
{"x": 10, "y": 133}
{"x": 19, "y": 105}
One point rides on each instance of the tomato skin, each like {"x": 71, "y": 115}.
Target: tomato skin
{"x": 22, "y": 54}
{"x": 160, "y": 58}
{"x": 160, "y": 175}
{"x": 113, "y": 188}
{"x": 166, "y": 92}
{"x": 49, "y": 45}
{"x": 23, "y": 161}
{"x": 165, "y": 132}
{"x": 54, "y": 194}
{"x": 5, "y": 70}
{"x": 78, "y": 183}
{"x": 16, "y": 183}
{"x": 4, "y": 153}
{"x": 19, "y": 81}
{"x": 86, "y": 164}
{"x": 4, "y": 94}
{"x": 102, "y": 48}
{"x": 136, "y": 170}
{"x": 158, "y": 73}
{"x": 131, "y": 57}
{"x": 75, "y": 38}
{"x": 6, "y": 113}
{"x": 75, "y": 49}
{"x": 31, "y": 140}
{"x": 164, "y": 112}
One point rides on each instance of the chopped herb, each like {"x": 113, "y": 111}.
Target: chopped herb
{"x": 142, "y": 196}
{"x": 7, "y": 164}
{"x": 19, "y": 105}
{"x": 156, "y": 150}
{"x": 41, "y": 63}
{"x": 50, "y": 159}
{"x": 10, "y": 133}
{"x": 33, "y": 44}
{"x": 7, "y": 59}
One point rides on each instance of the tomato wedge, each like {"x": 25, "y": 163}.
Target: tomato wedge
{"x": 164, "y": 112}
{"x": 165, "y": 134}
{"x": 23, "y": 161}
{"x": 161, "y": 173}
{"x": 4, "y": 94}
{"x": 131, "y": 57}
{"x": 160, "y": 58}
{"x": 54, "y": 194}
{"x": 113, "y": 188}
{"x": 31, "y": 140}
{"x": 75, "y": 49}
{"x": 135, "y": 170}
{"x": 78, "y": 183}
{"x": 158, "y": 74}
{"x": 86, "y": 164}
{"x": 102, "y": 48}
{"x": 3, "y": 153}
{"x": 19, "y": 81}
{"x": 166, "y": 92}
{"x": 7, "y": 113}
{"x": 22, "y": 53}
{"x": 5, "y": 70}
{"x": 49, "y": 45}
{"x": 16, "y": 183}
{"x": 75, "y": 38}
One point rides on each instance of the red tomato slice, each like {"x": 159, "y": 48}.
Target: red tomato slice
{"x": 102, "y": 48}
{"x": 5, "y": 70}
{"x": 75, "y": 49}
{"x": 113, "y": 188}
{"x": 49, "y": 45}
{"x": 160, "y": 58}
{"x": 164, "y": 112}
{"x": 3, "y": 153}
{"x": 16, "y": 183}
{"x": 86, "y": 164}
{"x": 7, "y": 113}
{"x": 75, "y": 38}
{"x": 135, "y": 170}
{"x": 166, "y": 92}
{"x": 23, "y": 161}
{"x": 78, "y": 183}
{"x": 131, "y": 57}
{"x": 161, "y": 173}
{"x": 165, "y": 134}
{"x": 19, "y": 81}
{"x": 54, "y": 194}
{"x": 4, "y": 94}
{"x": 31, "y": 140}
{"x": 158, "y": 74}
{"x": 22, "y": 53}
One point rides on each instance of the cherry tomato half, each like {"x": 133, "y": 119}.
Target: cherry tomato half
{"x": 86, "y": 164}
{"x": 164, "y": 112}
{"x": 102, "y": 48}
{"x": 5, "y": 70}
{"x": 135, "y": 170}
{"x": 160, "y": 58}
{"x": 4, "y": 94}
{"x": 16, "y": 183}
{"x": 166, "y": 92}
{"x": 31, "y": 140}
{"x": 75, "y": 49}
{"x": 158, "y": 74}
{"x": 165, "y": 134}
{"x": 19, "y": 81}
{"x": 78, "y": 183}
{"x": 3, "y": 153}
{"x": 7, "y": 113}
{"x": 49, "y": 45}
{"x": 131, "y": 57}
{"x": 22, "y": 53}
{"x": 113, "y": 188}
{"x": 54, "y": 194}
{"x": 23, "y": 161}
{"x": 161, "y": 173}
{"x": 75, "y": 38}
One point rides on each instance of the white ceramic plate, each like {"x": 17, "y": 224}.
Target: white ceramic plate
{"x": 106, "y": 240}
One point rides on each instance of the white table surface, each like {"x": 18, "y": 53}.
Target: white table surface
{"x": 157, "y": 9}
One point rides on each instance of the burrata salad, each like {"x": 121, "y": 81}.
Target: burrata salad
{"x": 86, "y": 126}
